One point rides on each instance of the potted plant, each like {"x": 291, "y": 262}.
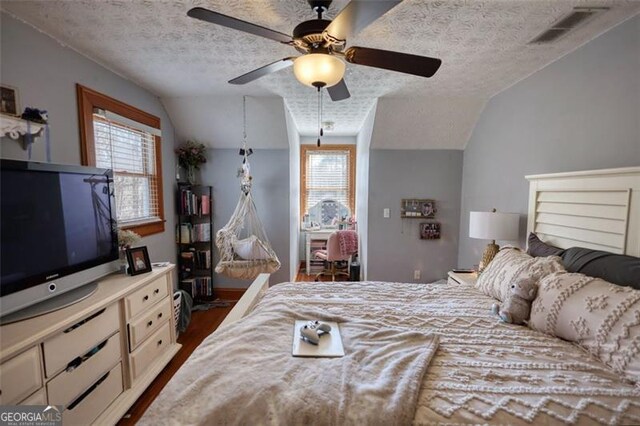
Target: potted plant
{"x": 191, "y": 157}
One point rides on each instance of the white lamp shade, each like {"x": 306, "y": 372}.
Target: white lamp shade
{"x": 494, "y": 226}
{"x": 319, "y": 68}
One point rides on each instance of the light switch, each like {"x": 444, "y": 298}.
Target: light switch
{"x": 385, "y": 213}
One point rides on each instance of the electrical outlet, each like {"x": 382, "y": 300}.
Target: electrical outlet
{"x": 385, "y": 213}
{"x": 416, "y": 274}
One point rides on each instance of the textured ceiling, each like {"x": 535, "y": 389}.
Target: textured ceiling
{"x": 483, "y": 46}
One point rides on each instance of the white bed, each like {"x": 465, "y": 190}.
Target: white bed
{"x": 483, "y": 371}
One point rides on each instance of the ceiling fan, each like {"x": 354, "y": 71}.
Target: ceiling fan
{"x": 322, "y": 44}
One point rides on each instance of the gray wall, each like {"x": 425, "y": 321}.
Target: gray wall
{"x": 581, "y": 112}
{"x": 45, "y": 74}
{"x": 270, "y": 170}
{"x": 394, "y": 248}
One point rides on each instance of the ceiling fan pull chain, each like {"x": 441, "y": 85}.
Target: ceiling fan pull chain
{"x": 319, "y": 112}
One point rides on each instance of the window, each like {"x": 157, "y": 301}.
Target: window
{"x": 120, "y": 137}
{"x": 327, "y": 172}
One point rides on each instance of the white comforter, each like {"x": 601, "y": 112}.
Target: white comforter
{"x": 484, "y": 371}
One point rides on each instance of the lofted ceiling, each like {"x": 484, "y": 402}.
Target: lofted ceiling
{"x": 482, "y": 43}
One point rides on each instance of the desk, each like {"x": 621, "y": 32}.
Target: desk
{"x": 315, "y": 235}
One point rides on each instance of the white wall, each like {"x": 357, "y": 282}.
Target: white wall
{"x": 294, "y": 191}
{"x": 362, "y": 187}
{"x": 394, "y": 244}
{"x": 426, "y": 122}
{"x": 45, "y": 74}
{"x": 581, "y": 112}
{"x": 217, "y": 121}
{"x": 328, "y": 140}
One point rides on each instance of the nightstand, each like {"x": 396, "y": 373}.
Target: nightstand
{"x": 457, "y": 278}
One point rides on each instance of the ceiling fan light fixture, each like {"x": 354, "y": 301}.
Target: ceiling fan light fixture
{"x": 319, "y": 69}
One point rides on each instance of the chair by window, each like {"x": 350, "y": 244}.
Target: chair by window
{"x": 341, "y": 245}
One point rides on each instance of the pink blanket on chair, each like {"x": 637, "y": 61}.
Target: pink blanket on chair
{"x": 348, "y": 242}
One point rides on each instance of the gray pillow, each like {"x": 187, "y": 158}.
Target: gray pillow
{"x": 615, "y": 268}
{"x": 538, "y": 248}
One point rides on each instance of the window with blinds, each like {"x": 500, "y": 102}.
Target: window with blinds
{"x": 126, "y": 139}
{"x": 328, "y": 173}
{"x": 131, "y": 154}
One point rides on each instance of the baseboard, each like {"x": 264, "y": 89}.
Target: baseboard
{"x": 229, "y": 293}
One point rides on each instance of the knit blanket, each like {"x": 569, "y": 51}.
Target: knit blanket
{"x": 244, "y": 374}
{"x": 483, "y": 372}
{"x": 348, "y": 241}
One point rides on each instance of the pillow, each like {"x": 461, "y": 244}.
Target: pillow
{"x": 250, "y": 248}
{"x": 615, "y": 268}
{"x": 538, "y": 248}
{"x": 510, "y": 265}
{"x": 602, "y": 317}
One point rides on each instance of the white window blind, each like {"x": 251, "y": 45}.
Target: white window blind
{"x": 131, "y": 153}
{"x": 327, "y": 177}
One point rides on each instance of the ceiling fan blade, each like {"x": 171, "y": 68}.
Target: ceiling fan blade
{"x": 422, "y": 66}
{"x": 262, "y": 71}
{"x": 339, "y": 91}
{"x": 356, "y": 16}
{"x": 236, "y": 24}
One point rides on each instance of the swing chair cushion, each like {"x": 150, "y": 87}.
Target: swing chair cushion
{"x": 251, "y": 248}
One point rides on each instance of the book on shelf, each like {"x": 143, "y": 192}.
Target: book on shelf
{"x": 198, "y": 287}
{"x": 203, "y": 259}
{"x": 201, "y": 232}
{"x": 193, "y": 204}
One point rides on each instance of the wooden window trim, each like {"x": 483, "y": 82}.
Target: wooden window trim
{"x": 303, "y": 172}
{"x": 88, "y": 100}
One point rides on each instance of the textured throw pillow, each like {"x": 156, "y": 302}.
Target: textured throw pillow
{"x": 250, "y": 248}
{"x": 602, "y": 317}
{"x": 510, "y": 265}
{"x": 538, "y": 248}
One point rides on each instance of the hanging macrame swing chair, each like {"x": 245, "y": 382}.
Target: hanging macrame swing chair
{"x": 245, "y": 251}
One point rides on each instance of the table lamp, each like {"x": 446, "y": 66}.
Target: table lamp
{"x": 493, "y": 226}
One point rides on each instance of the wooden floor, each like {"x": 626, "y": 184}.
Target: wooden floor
{"x": 302, "y": 275}
{"x": 203, "y": 323}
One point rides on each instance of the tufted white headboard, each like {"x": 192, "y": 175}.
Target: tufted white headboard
{"x": 598, "y": 209}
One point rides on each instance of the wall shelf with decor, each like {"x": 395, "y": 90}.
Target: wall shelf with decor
{"x": 16, "y": 127}
{"x": 417, "y": 208}
{"x": 194, "y": 237}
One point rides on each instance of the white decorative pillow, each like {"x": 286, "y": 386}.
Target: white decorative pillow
{"x": 250, "y": 248}
{"x": 602, "y": 317}
{"x": 510, "y": 265}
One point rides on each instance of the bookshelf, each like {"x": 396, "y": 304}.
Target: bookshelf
{"x": 194, "y": 237}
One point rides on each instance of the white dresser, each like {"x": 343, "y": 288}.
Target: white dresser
{"x": 96, "y": 357}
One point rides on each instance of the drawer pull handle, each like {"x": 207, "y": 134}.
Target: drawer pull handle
{"x": 150, "y": 323}
{"x": 76, "y": 362}
{"x": 160, "y": 315}
{"x": 145, "y": 298}
{"x": 88, "y": 391}
{"x": 159, "y": 342}
{"x": 156, "y": 291}
{"x": 84, "y": 321}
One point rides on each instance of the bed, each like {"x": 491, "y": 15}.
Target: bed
{"x": 478, "y": 371}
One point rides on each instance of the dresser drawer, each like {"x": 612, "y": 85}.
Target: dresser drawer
{"x": 147, "y": 323}
{"x": 38, "y": 398}
{"x": 87, "y": 407}
{"x": 147, "y": 296}
{"x": 20, "y": 376}
{"x": 152, "y": 348}
{"x": 79, "y": 338}
{"x": 69, "y": 384}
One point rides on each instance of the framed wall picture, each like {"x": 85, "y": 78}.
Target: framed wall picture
{"x": 418, "y": 208}
{"x": 138, "y": 260}
{"x": 430, "y": 231}
{"x": 9, "y": 102}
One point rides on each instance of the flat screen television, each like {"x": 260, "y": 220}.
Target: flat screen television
{"x": 58, "y": 232}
